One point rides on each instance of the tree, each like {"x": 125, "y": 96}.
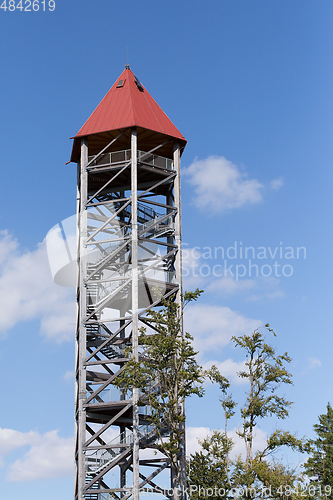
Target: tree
{"x": 319, "y": 467}
{"x": 208, "y": 469}
{"x": 265, "y": 372}
{"x": 257, "y": 474}
{"x": 166, "y": 374}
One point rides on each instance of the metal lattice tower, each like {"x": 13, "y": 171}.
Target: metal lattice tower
{"x": 129, "y": 245}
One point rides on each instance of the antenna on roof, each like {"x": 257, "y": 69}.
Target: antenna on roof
{"x": 127, "y": 65}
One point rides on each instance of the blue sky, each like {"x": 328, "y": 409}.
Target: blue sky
{"x": 249, "y": 85}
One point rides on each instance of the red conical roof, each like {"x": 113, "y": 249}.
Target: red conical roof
{"x": 129, "y": 104}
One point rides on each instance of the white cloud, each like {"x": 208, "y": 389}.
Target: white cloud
{"x": 190, "y": 258}
{"x": 193, "y": 434}
{"x": 8, "y": 245}
{"x": 198, "y": 273}
{"x": 258, "y": 288}
{"x": 27, "y": 291}
{"x": 313, "y": 362}
{"x": 11, "y": 440}
{"x": 52, "y": 456}
{"x": 276, "y": 184}
{"x": 219, "y": 185}
{"x": 213, "y": 326}
{"x": 69, "y": 375}
{"x": 59, "y": 327}
{"x": 229, "y": 286}
{"x": 276, "y": 295}
{"x": 191, "y": 264}
{"x": 267, "y": 288}
{"x": 49, "y": 455}
{"x": 259, "y": 442}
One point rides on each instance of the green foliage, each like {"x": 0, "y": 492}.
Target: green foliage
{"x": 166, "y": 373}
{"x": 207, "y": 468}
{"x": 226, "y": 400}
{"x": 265, "y": 373}
{"x": 283, "y": 438}
{"x": 319, "y": 467}
{"x": 273, "y": 479}
{"x": 256, "y": 475}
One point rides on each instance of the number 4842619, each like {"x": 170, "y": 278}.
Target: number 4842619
{"x": 27, "y": 5}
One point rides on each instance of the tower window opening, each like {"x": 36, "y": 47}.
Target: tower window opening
{"x": 120, "y": 83}
{"x": 138, "y": 83}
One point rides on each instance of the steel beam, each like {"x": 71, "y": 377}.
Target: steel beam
{"x": 81, "y": 350}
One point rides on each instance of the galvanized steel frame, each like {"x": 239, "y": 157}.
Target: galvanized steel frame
{"x": 96, "y": 342}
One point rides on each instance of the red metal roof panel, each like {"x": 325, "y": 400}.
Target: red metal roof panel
{"x": 128, "y": 106}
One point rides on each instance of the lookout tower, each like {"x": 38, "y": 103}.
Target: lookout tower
{"x": 129, "y": 245}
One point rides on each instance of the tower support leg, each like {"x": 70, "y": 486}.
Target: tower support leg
{"x": 81, "y": 333}
{"x": 135, "y": 302}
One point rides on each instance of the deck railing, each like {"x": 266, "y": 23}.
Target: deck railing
{"x": 121, "y": 157}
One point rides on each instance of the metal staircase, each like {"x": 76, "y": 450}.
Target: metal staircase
{"x": 113, "y": 351}
{"x": 100, "y": 459}
{"x": 92, "y": 496}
